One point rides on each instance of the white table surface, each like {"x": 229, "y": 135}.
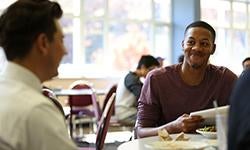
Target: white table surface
{"x": 139, "y": 144}
{"x": 68, "y": 92}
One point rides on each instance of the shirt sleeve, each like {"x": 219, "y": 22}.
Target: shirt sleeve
{"x": 149, "y": 109}
{"x": 47, "y": 130}
{"x": 133, "y": 84}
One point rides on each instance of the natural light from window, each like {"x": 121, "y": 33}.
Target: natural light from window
{"x": 232, "y": 22}
{"x": 107, "y": 37}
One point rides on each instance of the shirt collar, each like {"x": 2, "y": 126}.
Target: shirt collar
{"x": 19, "y": 73}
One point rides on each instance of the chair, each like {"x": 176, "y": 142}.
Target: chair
{"x": 51, "y": 95}
{"x": 103, "y": 125}
{"x": 108, "y": 95}
{"x": 114, "y": 122}
{"x": 80, "y": 104}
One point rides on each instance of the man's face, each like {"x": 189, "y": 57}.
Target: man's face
{"x": 198, "y": 46}
{"x": 57, "y": 50}
{"x": 246, "y": 65}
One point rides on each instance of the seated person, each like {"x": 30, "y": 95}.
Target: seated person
{"x": 239, "y": 121}
{"x": 246, "y": 63}
{"x": 169, "y": 94}
{"x": 129, "y": 89}
{"x": 160, "y": 60}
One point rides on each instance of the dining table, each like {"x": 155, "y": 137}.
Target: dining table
{"x": 72, "y": 92}
{"x": 146, "y": 143}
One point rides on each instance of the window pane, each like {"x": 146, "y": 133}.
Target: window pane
{"x": 162, "y": 10}
{"x": 162, "y": 43}
{"x": 93, "y": 42}
{"x": 128, "y": 41}
{"x": 239, "y": 42}
{"x": 67, "y": 25}
{"x": 223, "y": 47}
{"x": 216, "y": 12}
{"x": 70, "y": 6}
{"x": 94, "y": 8}
{"x": 130, "y": 9}
{"x": 239, "y": 15}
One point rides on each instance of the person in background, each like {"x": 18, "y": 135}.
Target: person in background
{"x": 239, "y": 121}
{"x": 32, "y": 39}
{"x": 181, "y": 58}
{"x": 246, "y": 63}
{"x": 160, "y": 60}
{"x": 169, "y": 94}
{"x": 129, "y": 89}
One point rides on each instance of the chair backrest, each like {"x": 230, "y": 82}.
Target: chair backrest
{"x": 84, "y": 100}
{"x": 51, "y": 95}
{"x": 104, "y": 123}
{"x": 80, "y": 100}
{"x": 108, "y": 95}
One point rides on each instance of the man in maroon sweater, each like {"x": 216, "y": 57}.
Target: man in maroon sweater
{"x": 169, "y": 94}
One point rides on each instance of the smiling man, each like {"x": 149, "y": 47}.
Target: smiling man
{"x": 171, "y": 93}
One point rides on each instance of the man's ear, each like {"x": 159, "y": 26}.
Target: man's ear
{"x": 213, "y": 50}
{"x": 42, "y": 43}
{"x": 182, "y": 44}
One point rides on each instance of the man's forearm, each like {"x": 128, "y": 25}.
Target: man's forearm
{"x": 153, "y": 131}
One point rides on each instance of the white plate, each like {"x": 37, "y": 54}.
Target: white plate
{"x": 177, "y": 145}
{"x": 210, "y": 135}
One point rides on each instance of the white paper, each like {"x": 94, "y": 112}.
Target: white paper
{"x": 209, "y": 114}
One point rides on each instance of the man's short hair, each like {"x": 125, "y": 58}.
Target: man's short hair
{"x": 23, "y": 21}
{"x": 203, "y": 25}
{"x": 147, "y": 61}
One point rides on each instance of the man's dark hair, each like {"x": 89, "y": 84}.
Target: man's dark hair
{"x": 246, "y": 59}
{"x": 203, "y": 25}
{"x": 23, "y": 21}
{"x": 147, "y": 61}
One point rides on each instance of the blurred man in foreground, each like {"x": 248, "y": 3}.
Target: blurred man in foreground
{"x": 32, "y": 40}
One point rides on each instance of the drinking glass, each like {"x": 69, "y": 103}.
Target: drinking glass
{"x": 221, "y": 127}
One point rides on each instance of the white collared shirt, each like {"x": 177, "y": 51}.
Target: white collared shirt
{"x": 28, "y": 120}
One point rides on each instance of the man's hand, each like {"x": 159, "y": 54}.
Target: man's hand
{"x": 186, "y": 123}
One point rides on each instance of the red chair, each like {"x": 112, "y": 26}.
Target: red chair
{"x": 108, "y": 95}
{"x": 80, "y": 104}
{"x": 103, "y": 125}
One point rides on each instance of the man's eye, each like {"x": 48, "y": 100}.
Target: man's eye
{"x": 190, "y": 42}
{"x": 205, "y": 44}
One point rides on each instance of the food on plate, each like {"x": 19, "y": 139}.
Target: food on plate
{"x": 208, "y": 129}
{"x": 181, "y": 137}
{"x": 164, "y": 136}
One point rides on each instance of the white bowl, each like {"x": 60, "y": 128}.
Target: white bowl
{"x": 210, "y": 135}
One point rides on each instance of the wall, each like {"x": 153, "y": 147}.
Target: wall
{"x": 183, "y": 13}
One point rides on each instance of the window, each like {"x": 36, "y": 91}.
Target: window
{"x": 231, "y": 19}
{"x": 107, "y": 37}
